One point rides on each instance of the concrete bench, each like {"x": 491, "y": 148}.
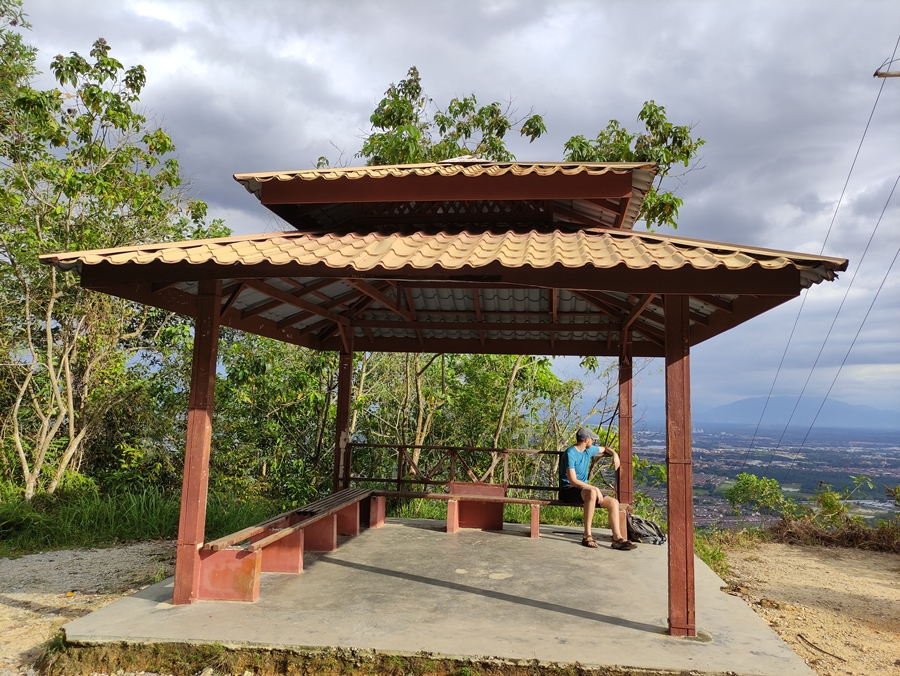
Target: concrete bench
{"x": 230, "y": 566}
{"x": 480, "y": 505}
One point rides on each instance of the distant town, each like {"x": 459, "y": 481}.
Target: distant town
{"x": 828, "y": 456}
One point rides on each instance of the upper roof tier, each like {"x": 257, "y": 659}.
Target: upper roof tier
{"x": 455, "y": 195}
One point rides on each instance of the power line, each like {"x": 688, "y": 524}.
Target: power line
{"x": 858, "y": 331}
{"x": 803, "y": 301}
{"x": 831, "y": 328}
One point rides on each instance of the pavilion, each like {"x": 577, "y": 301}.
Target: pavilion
{"x": 462, "y": 256}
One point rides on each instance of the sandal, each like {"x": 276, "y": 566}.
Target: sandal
{"x": 588, "y": 541}
{"x": 623, "y": 545}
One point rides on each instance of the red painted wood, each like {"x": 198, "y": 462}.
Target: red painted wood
{"x": 452, "y": 516}
{"x": 321, "y": 536}
{"x": 625, "y": 475}
{"x": 284, "y": 555}
{"x": 199, "y": 433}
{"x": 229, "y": 575}
{"x": 377, "y": 506}
{"x": 342, "y": 448}
{"x": 348, "y": 520}
{"x": 682, "y": 620}
{"x": 438, "y": 188}
{"x": 535, "y": 521}
{"x": 483, "y": 515}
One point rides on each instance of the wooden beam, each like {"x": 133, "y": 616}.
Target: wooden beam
{"x": 232, "y": 293}
{"x": 617, "y": 310}
{"x": 582, "y": 219}
{"x": 714, "y": 301}
{"x": 342, "y": 446}
{"x": 624, "y": 204}
{"x": 744, "y": 308}
{"x": 478, "y": 326}
{"x": 606, "y": 205}
{"x": 410, "y": 306}
{"x": 337, "y": 301}
{"x": 294, "y": 301}
{"x": 554, "y": 302}
{"x": 625, "y": 475}
{"x": 579, "y": 348}
{"x": 412, "y": 188}
{"x": 682, "y": 621}
{"x": 476, "y": 299}
{"x": 383, "y": 298}
{"x": 192, "y": 520}
{"x": 620, "y": 278}
{"x": 636, "y": 311}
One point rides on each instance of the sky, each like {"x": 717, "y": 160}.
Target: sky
{"x": 781, "y": 92}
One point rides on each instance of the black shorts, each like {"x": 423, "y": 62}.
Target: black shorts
{"x": 571, "y": 495}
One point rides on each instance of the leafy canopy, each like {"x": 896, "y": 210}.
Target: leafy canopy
{"x": 403, "y": 133}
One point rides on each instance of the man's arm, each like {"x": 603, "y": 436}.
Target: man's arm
{"x": 610, "y": 452}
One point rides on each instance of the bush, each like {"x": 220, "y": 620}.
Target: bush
{"x": 89, "y": 518}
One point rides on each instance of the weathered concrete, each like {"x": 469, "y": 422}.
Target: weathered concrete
{"x": 411, "y": 587}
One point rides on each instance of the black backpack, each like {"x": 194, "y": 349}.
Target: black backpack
{"x": 644, "y": 530}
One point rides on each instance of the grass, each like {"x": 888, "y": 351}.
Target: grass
{"x": 90, "y": 518}
{"x": 710, "y": 545}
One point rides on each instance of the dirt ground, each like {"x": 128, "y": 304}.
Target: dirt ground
{"x": 41, "y": 592}
{"x": 838, "y": 609}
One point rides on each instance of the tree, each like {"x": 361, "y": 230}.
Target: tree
{"x": 80, "y": 168}
{"x": 403, "y": 133}
{"x": 661, "y": 142}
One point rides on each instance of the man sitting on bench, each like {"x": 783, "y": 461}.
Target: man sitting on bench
{"x": 575, "y": 489}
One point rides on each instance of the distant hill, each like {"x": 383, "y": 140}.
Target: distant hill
{"x": 835, "y": 414}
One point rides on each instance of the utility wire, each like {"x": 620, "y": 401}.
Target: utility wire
{"x": 803, "y": 301}
{"x": 831, "y": 328}
{"x": 858, "y": 331}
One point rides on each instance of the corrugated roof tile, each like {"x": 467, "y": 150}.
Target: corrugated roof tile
{"x": 453, "y": 251}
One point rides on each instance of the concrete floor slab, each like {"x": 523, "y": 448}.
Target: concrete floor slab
{"x": 410, "y": 587}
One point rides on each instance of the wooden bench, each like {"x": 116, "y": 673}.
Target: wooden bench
{"x": 477, "y": 505}
{"x": 230, "y": 567}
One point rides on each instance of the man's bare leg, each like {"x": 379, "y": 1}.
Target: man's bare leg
{"x": 589, "y": 495}
{"x": 615, "y": 521}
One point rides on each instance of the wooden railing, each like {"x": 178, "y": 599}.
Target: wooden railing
{"x": 426, "y": 466}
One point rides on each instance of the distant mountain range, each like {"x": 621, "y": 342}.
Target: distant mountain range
{"x": 834, "y": 414}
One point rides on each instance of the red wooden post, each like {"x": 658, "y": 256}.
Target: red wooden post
{"x": 342, "y": 449}
{"x": 625, "y": 475}
{"x": 199, "y": 433}
{"x": 678, "y": 461}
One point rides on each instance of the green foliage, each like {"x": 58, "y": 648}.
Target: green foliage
{"x": 80, "y": 168}
{"x": 760, "y": 495}
{"x": 666, "y": 144}
{"x": 86, "y": 517}
{"x": 403, "y": 133}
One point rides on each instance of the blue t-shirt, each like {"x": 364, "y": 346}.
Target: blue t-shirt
{"x": 580, "y": 461}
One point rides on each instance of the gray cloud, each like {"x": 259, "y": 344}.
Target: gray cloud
{"x": 780, "y": 91}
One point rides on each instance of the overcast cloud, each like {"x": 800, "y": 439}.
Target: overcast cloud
{"x": 780, "y": 91}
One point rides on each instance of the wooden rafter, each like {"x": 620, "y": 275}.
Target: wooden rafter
{"x": 381, "y": 297}
{"x": 411, "y": 307}
{"x": 476, "y": 300}
{"x": 231, "y": 294}
{"x": 715, "y": 301}
{"x": 636, "y": 311}
{"x": 292, "y": 300}
{"x": 338, "y": 301}
{"x": 542, "y": 327}
{"x": 582, "y": 219}
{"x": 624, "y": 203}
